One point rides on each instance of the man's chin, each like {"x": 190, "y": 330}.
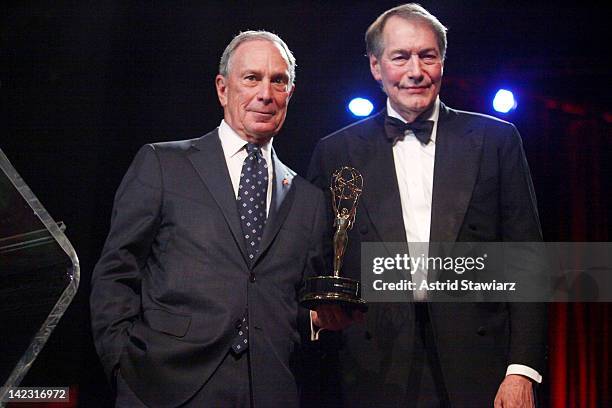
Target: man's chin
{"x": 262, "y": 135}
{"x": 417, "y": 105}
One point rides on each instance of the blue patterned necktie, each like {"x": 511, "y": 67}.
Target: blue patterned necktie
{"x": 252, "y": 195}
{"x": 241, "y": 341}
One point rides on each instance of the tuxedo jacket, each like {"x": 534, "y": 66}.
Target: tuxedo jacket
{"x": 174, "y": 280}
{"x": 482, "y": 191}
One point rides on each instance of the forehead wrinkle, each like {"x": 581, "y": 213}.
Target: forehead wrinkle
{"x": 413, "y": 32}
{"x": 280, "y": 49}
{"x": 414, "y": 50}
{"x": 267, "y": 60}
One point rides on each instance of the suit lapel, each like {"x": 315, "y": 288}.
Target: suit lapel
{"x": 373, "y": 157}
{"x": 209, "y": 161}
{"x": 458, "y": 151}
{"x": 282, "y": 198}
{"x": 380, "y": 202}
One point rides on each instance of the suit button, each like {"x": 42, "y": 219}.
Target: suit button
{"x": 252, "y": 277}
{"x": 481, "y": 331}
{"x": 363, "y": 229}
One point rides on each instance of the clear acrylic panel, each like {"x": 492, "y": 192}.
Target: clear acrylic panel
{"x": 39, "y": 275}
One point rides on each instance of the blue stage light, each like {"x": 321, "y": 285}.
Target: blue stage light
{"x": 504, "y": 101}
{"x": 360, "y": 107}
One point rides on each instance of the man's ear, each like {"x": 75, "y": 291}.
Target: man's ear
{"x": 291, "y": 92}
{"x": 375, "y": 68}
{"x": 221, "y": 85}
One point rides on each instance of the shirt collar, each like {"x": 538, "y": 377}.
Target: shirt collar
{"x": 433, "y": 116}
{"x": 233, "y": 144}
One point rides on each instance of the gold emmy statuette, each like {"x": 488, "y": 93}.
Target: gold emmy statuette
{"x": 346, "y": 187}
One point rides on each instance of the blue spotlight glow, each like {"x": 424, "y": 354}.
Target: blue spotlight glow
{"x": 360, "y": 107}
{"x": 504, "y": 101}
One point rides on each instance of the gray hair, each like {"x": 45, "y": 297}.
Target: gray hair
{"x": 373, "y": 37}
{"x": 224, "y": 63}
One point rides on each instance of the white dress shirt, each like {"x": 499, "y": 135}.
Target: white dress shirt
{"x": 234, "y": 150}
{"x": 414, "y": 167}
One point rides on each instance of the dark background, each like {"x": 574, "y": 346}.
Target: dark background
{"x": 84, "y": 85}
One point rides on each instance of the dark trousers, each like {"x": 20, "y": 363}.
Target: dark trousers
{"x": 425, "y": 383}
{"x": 228, "y": 387}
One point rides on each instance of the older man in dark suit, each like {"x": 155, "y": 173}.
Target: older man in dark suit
{"x": 432, "y": 174}
{"x": 194, "y": 298}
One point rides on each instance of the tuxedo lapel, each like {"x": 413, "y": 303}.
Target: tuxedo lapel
{"x": 458, "y": 152}
{"x": 282, "y": 198}
{"x": 209, "y": 161}
{"x": 372, "y": 155}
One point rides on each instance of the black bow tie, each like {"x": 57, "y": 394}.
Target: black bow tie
{"x": 396, "y": 129}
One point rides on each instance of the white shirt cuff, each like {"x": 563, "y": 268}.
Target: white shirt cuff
{"x": 314, "y": 333}
{"x": 523, "y": 370}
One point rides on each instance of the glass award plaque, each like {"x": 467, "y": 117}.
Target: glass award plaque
{"x": 39, "y": 276}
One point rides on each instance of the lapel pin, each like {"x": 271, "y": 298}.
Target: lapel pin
{"x": 285, "y": 181}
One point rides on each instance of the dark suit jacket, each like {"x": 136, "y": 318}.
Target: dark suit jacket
{"x": 482, "y": 191}
{"x": 173, "y": 279}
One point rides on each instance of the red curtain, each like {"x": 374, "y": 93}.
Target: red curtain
{"x": 571, "y": 167}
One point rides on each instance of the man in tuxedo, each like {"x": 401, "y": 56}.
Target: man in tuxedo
{"x": 193, "y": 300}
{"x": 432, "y": 174}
